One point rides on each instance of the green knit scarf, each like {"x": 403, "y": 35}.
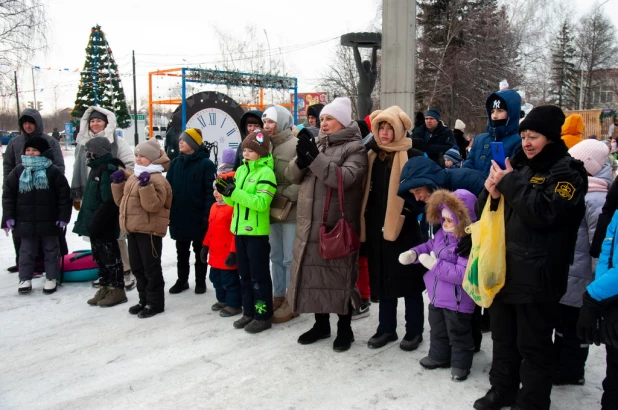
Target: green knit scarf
{"x": 34, "y": 175}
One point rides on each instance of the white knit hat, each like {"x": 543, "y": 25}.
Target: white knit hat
{"x": 340, "y": 109}
{"x": 459, "y": 125}
{"x": 592, "y": 153}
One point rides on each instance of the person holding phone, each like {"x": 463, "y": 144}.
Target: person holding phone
{"x": 503, "y": 109}
{"x": 544, "y": 192}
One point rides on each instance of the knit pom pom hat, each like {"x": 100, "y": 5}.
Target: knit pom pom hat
{"x": 150, "y": 149}
{"x": 257, "y": 142}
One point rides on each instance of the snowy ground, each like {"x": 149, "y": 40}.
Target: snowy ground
{"x": 57, "y": 352}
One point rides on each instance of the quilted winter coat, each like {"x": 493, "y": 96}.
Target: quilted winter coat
{"x": 318, "y": 285}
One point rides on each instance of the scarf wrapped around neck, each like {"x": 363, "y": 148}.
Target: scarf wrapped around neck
{"x": 393, "y": 221}
{"x": 34, "y": 175}
{"x": 151, "y": 169}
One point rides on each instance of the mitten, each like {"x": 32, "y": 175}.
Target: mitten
{"x": 407, "y": 257}
{"x": 305, "y": 133}
{"x": 589, "y": 322}
{"x": 428, "y": 261}
{"x": 230, "y": 261}
{"x": 77, "y": 205}
{"x": 118, "y": 176}
{"x": 10, "y": 223}
{"x": 301, "y": 161}
{"x": 308, "y": 149}
{"x": 144, "y": 178}
{"x": 204, "y": 254}
{"x": 61, "y": 224}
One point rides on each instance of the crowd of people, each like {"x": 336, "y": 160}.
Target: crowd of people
{"x": 408, "y": 189}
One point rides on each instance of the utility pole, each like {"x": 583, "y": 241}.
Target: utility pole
{"x": 34, "y": 88}
{"x": 17, "y": 94}
{"x": 136, "y": 136}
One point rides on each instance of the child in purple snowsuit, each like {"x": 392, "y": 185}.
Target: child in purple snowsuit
{"x": 450, "y": 309}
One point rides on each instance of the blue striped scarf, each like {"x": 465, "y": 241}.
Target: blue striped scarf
{"x": 35, "y": 173}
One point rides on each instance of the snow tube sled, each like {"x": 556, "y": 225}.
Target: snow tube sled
{"x": 78, "y": 267}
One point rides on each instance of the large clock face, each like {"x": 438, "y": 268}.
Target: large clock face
{"x": 217, "y": 126}
{"x": 216, "y": 114}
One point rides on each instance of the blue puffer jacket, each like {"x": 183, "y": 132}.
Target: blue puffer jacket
{"x": 421, "y": 171}
{"x": 479, "y": 157}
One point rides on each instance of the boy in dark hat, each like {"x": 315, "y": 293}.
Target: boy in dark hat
{"x": 191, "y": 176}
{"x": 98, "y": 219}
{"x": 36, "y": 204}
{"x": 250, "y": 192}
{"x": 437, "y": 137}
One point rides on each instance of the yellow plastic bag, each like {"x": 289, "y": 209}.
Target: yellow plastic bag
{"x": 486, "y": 270}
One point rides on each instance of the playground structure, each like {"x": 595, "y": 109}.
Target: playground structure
{"x": 227, "y": 78}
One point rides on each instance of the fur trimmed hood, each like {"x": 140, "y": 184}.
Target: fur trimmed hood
{"x": 460, "y": 203}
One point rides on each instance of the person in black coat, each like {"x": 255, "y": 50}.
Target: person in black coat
{"x": 388, "y": 228}
{"x": 436, "y": 137}
{"x": 543, "y": 189}
{"x": 191, "y": 175}
{"x": 36, "y": 203}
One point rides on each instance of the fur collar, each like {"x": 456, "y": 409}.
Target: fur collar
{"x": 544, "y": 160}
{"x": 443, "y": 198}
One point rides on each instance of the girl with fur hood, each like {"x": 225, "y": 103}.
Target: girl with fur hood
{"x": 450, "y": 308}
{"x": 145, "y": 199}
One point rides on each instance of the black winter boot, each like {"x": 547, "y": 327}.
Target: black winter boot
{"x": 495, "y": 400}
{"x": 200, "y": 282}
{"x": 320, "y": 330}
{"x": 345, "y": 336}
{"x": 179, "y": 286}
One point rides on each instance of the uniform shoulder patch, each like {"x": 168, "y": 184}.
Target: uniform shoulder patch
{"x": 537, "y": 180}
{"x": 565, "y": 190}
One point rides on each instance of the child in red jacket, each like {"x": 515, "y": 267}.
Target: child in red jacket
{"x": 219, "y": 251}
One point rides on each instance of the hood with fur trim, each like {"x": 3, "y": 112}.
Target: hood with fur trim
{"x": 460, "y": 203}
{"x": 84, "y": 130}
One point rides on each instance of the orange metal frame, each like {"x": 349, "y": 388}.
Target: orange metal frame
{"x": 172, "y": 72}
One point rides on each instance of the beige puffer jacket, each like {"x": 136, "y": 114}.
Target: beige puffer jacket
{"x": 318, "y": 285}
{"x": 284, "y": 149}
{"x": 145, "y": 209}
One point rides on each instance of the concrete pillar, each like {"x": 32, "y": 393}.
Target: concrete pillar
{"x": 398, "y": 54}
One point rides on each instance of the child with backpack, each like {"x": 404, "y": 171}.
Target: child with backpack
{"x": 250, "y": 192}
{"x": 98, "y": 220}
{"x": 219, "y": 251}
{"x": 36, "y": 205}
{"x": 450, "y": 308}
{"x": 145, "y": 199}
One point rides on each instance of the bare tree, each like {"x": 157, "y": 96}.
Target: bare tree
{"x": 596, "y": 43}
{"x": 341, "y": 77}
{"x": 23, "y": 28}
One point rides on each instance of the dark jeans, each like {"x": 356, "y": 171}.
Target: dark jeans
{"x": 252, "y": 255}
{"x": 415, "y": 316}
{"x": 183, "y": 250}
{"x": 227, "y": 286}
{"x": 523, "y": 351}
{"x": 106, "y": 255}
{"x": 570, "y": 352}
{"x": 28, "y": 252}
{"x": 145, "y": 260}
{"x": 610, "y": 384}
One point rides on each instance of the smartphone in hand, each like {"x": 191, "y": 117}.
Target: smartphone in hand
{"x": 497, "y": 154}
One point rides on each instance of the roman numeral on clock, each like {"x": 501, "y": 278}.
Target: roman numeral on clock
{"x": 213, "y": 118}
{"x": 201, "y": 121}
{"x": 230, "y": 132}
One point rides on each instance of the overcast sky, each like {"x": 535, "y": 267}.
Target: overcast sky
{"x": 182, "y": 33}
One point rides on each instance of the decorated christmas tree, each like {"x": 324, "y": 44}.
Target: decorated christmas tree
{"x": 100, "y": 82}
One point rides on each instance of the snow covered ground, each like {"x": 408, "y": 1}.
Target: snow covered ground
{"x": 57, "y": 352}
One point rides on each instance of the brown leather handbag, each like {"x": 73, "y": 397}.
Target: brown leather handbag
{"x": 341, "y": 241}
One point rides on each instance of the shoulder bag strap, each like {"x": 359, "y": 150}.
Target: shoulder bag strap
{"x": 340, "y": 190}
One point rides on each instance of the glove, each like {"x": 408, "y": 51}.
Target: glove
{"x": 118, "y": 176}
{"x": 407, "y": 257}
{"x": 204, "y": 254}
{"x": 589, "y": 322}
{"x": 609, "y": 327}
{"x": 77, "y": 205}
{"x": 220, "y": 185}
{"x": 307, "y": 149}
{"x": 230, "y": 187}
{"x": 144, "y": 178}
{"x": 464, "y": 246}
{"x": 301, "y": 161}
{"x": 230, "y": 261}
{"x": 428, "y": 261}
{"x": 305, "y": 133}
{"x": 10, "y": 224}
{"x": 61, "y": 224}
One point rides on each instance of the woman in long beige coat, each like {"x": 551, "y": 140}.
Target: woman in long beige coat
{"x": 316, "y": 285}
